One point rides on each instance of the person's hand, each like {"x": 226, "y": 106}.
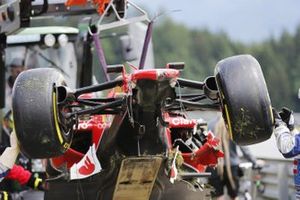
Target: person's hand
{"x": 5, "y": 195}
{"x": 287, "y": 117}
{"x": 13, "y": 140}
{"x": 10, "y": 154}
{"x": 280, "y": 126}
{"x": 277, "y": 119}
{"x": 36, "y": 183}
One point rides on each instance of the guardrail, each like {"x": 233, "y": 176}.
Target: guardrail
{"x": 277, "y": 178}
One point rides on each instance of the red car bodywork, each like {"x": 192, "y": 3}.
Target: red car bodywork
{"x": 97, "y": 124}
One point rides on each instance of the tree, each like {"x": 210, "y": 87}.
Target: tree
{"x": 201, "y": 50}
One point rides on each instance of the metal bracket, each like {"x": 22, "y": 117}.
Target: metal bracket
{"x": 120, "y": 21}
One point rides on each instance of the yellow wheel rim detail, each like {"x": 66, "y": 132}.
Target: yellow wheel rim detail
{"x": 228, "y": 121}
{"x": 56, "y": 119}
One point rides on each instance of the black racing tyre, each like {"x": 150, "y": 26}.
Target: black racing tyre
{"x": 245, "y": 100}
{"x": 37, "y": 118}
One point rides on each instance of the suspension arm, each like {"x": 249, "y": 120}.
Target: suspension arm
{"x": 99, "y": 87}
{"x": 199, "y": 106}
{"x": 189, "y": 83}
{"x": 97, "y": 109}
{"x": 97, "y": 101}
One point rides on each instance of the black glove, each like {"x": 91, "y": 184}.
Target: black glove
{"x": 277, "y": 119}
{"x": 5, "y": 195}
{"x": 36, "y": 183}
{"x": 288, "y": 118}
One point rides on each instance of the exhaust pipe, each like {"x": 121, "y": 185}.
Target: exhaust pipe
{"x": 210, "y": 88}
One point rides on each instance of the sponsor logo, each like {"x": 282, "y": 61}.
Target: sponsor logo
{"x": 88, "y": 167}
{"x": 182, "y": 121}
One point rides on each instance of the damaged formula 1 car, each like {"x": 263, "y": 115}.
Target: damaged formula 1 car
{"x": 120, "y": 140}
{"x": 129, "y": 129}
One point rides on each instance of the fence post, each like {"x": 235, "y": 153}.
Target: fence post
{"x": 283, "y": 181}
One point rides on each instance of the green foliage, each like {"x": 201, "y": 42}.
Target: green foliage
{"x": 201, "y": 50}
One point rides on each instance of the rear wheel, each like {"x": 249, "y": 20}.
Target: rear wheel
{"x": 40, "y": 127}
{"x": 245, "y": 100}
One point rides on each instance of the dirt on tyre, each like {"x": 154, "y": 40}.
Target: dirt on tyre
{"x": 37, "y": 118}
{"x": 245, "y": 100}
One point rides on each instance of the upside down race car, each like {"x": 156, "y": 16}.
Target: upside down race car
{"x": 124, "y": 144}
{"x": 129, "y": 138}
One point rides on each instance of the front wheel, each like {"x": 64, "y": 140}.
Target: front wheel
{"x": 40, "y": 127}
{"x": 245, "y": 99}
